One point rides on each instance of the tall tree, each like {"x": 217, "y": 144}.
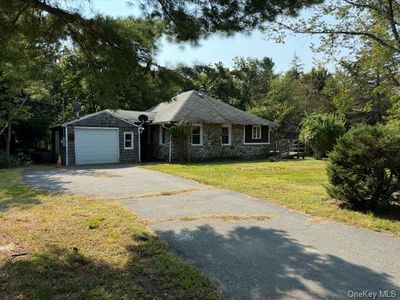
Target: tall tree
{"x": 242, "y": 86}
{"x": 366, "y": 34}
{"x": 347, "y": 24}
{"x": 184, "y": 20}
{"x": 285, "y": 104}
{"x": 364, "y": 90}
{"x": 253, "y": 77}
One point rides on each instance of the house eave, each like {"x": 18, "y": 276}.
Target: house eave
{"x": 96, "y": 114}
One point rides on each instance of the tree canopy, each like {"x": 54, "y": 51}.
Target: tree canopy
{"x": 52, "y": 52}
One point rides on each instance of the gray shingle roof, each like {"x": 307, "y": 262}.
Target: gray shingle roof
{"x": 191, "y": 106}
{"x": 198, "y": 108}
{"x": 130, "y": 115}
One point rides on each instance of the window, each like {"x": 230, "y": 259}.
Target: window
{"x": 226, "y": 135}
{"x": 128, "y": 140}
{"x": 197, "y": 135}
{"x": 163, "y": 135}
{"x": 256, "y": 132}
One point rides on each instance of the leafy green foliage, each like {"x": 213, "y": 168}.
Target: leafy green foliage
{"x": 345, "y": 24}
{"x": 364, "y": 90}
{"x": 362, "y": 38}
{"x": 364, "y": 168}
{"x": 180, "y": 134}
{"x": 189, "y": 20}
{"x": 284, "y": 104}
{"x": 7, "y": 161}
{"x": 52, "y": 53}
{"x": 320, "y": 131}
{"x": 241, "y": 86}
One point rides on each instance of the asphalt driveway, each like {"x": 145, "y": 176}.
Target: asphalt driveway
{"x": 258, "y": 250}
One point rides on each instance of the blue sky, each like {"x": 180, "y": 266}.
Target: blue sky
{"x": 221, "y": 49}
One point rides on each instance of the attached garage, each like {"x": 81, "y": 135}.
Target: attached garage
{"x": 105, "y": 137}
{"x": 96, "y": 145}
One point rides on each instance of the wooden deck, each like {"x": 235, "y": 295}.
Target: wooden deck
{"x": 290, "y": 149}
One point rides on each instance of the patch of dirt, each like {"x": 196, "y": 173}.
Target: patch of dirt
{"x": 224, "y": 218}
{"x": 7, "y": 247}
{"x": 11, "y": 251}
{"x": 104, "y": 175}
{"x": 166, "y": 193}
{"x": 317, "y": 220}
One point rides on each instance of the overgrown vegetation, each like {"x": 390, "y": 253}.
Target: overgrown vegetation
{"x": 7, "y": 161}
{"x": 70, "y": 247}
{"x": 320, "y": 132}
{"x": 180, "y": 133}
{"x": 13, "y": 161}
{"x": 297, "y": 184}
{"x": 364, "y": 169}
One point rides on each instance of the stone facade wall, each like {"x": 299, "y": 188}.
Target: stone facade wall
{"x": 106, "y": 120}
{"x": 212, "y": 146}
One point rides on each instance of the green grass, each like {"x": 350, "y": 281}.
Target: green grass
{"x": 84, "y": 248}
{"x": 295, "y": 184}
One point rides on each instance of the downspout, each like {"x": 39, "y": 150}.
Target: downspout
{"x": 140, "y": 130}
{"x": 66, "y": 145}
{"x": 170, "y": 149}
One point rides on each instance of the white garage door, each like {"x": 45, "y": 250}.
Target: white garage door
{"x": 96, "y": 145}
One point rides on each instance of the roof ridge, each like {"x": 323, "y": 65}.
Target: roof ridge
{"x": 184, "y": 101}
{"x": 216, "y": 101}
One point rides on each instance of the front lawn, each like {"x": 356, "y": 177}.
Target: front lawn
{"x": 296, "y": 184}
{"x": 69, "y": 247}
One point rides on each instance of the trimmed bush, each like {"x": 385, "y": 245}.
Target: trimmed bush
{"x": 320, "y": 131}
{"x": 364, "y": 168}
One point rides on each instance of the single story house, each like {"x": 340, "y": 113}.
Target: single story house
{"x": 218, "y": 130}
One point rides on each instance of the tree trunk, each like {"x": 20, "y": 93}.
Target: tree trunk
{"x": 8, "y": 139}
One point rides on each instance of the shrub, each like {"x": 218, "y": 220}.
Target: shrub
{"x": 320, "y": 131}
{"x": 180, "y": 133}
{"x": 7, "y": 161}
{"x": 364, "y": 168}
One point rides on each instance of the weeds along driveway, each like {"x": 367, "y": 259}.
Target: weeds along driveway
{"x": 252, "y": 249}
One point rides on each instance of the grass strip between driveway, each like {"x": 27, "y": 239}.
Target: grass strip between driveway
{"x": 70, "y": 247}
{"x": 295, "y": 184}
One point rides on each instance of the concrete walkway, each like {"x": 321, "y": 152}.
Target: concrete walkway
{"x": 288, "y": 255}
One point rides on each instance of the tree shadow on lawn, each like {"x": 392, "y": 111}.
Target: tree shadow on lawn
{"x": 259, "y": 263}
{"x": 18, "y": 195}
{"x": 36, "y": 181}
{"x": 150, "y": 273}
{"x": 391, "y": 213}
